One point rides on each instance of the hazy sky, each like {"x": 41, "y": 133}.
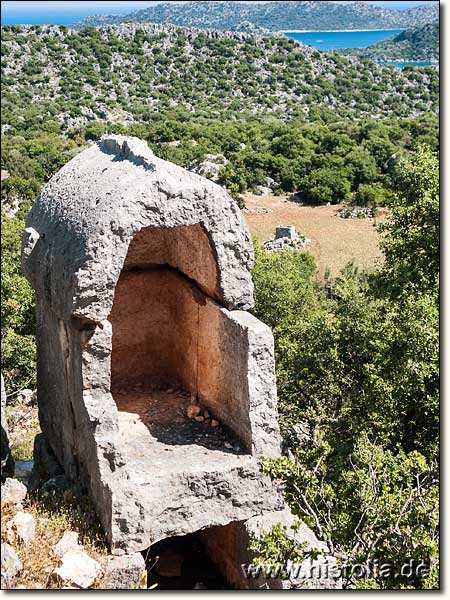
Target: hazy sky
{"x": 129, "y": 5}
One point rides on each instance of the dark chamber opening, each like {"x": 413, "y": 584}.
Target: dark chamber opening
{"x": 182, "y": 563}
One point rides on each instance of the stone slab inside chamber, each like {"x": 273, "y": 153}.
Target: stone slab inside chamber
{"x": 158, "y": 435}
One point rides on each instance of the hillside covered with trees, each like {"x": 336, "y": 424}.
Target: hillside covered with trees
{"x": 418, "y": 44}
{"x": 274, "y": 16}
{"x": 273, "y": 108}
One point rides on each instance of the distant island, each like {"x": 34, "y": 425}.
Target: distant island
{"x": 417, "y": 44}
{"x": 273, "y": 16}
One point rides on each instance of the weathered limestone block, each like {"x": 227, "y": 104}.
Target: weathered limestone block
{"x": 142, "y": 276}
{"x": 11, "y": 565}
{"x": 68, "y": 543}
{"x": 22, "y": 526}
{"x": 285, "y": 232}
{"x": 154, "y": 506}
{"x": 79, "y": 229}
{"x": 79, "y": 569}
{"x": 13, "y": 491}
{"x": 125, "y": 572}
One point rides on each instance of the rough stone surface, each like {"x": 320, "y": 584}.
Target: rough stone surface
{"x": 45, "y": 464}
{"x": 228, "y": 548}
{"x": 13, "y": 491}
{"x": 285, "y": 232}
{"x": 26, "y": 396}
{"x": 23, "y": 526}
{"x": 124, "y": 572}
{"x": 79, "y": 568}
{"x": 11, "y": 564}
{"x": 210, "y": 166}
{"x": 7, "y": 461}
{"x": 68, "y": 543}
{"x": 142, "y": 272}
{"x": 79, "y": 229}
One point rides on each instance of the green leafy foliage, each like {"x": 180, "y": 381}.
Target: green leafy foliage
{"x": 411, "y": 243}
{"x": 358, "y": 383}
{"x": 274, "y": 548}
{"x": 18, "y": 319}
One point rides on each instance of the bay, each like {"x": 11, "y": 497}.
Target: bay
{"x": 335, "y": 40}
{"x": 408, "y": 63}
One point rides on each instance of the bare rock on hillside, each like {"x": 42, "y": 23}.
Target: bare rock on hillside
{"x": 13, "y": 491}
{"x": 23, "y": 527}
{"x": 11, "y": 565}
{"x": 79, "y": 569}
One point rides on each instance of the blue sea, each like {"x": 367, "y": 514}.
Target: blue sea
{"x": 400, "y": 63}
{"x": 335, "y": 40}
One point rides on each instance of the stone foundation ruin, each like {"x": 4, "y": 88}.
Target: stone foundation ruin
{"x": 156, "y": 387}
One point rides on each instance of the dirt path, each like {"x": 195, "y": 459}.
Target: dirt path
{"x": 334, "y": 241}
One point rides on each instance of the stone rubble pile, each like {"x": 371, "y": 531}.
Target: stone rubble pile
{"x": 200, "y": 414}
{"x": 259, "y": 210}
{"x": 356, "y": 212}
{"x": 286, "y": 238}
{"x": 210, "y": 166}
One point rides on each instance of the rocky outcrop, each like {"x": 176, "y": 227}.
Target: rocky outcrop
{"x": 124, "y": 572}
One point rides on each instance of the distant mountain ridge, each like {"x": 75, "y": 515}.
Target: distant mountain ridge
{"x": 418, "y": 44}
{"x": 273, "y": 16}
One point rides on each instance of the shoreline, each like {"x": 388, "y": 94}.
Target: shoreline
{"x": 337, "y": 30}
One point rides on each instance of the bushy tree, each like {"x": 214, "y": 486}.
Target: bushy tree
{"x": 17, "y": 313}
{"x": 411, "y": 242}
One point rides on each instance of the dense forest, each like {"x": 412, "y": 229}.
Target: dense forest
{"x": 357, "y": 355}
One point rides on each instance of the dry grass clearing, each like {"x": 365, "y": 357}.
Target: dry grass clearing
{"x": 334, "y": 242}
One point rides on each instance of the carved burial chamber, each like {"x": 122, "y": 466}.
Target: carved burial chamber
{"x": 142, "y": 272}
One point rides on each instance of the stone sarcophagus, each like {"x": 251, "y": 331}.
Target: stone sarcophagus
{"x": 156, "y": 387}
